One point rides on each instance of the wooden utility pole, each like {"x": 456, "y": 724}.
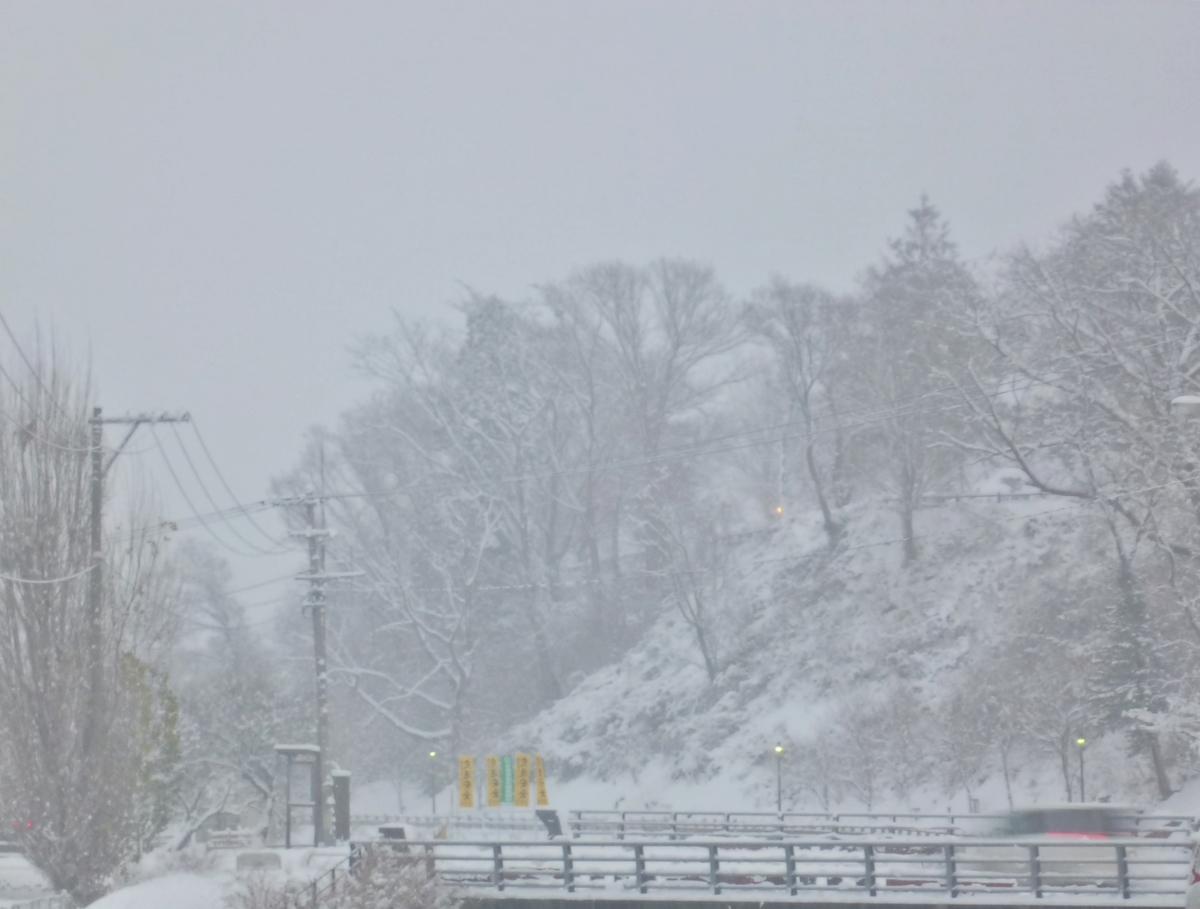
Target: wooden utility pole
{"x": 316, "y": 603}
{"x": 317, "y": 577}
{"x": 95, "y": 596}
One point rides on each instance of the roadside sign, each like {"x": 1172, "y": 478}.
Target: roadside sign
{"x": 521, "y": 787}
{"x": 539, "y": 779}
{"x": 493, "y": 781}
{"x": 466, "y": 781}
{"x": 506, "y": 780}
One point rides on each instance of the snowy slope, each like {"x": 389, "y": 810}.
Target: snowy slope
{"x": 804, "y": 630}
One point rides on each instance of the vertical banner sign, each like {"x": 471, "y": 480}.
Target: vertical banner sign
{"x": 506, "y": 779}
{"x": 539, "y": 780}
{"x": 466, "y": 781}
{"x": 521, "y": 787}
{"x": 493, "y": 781}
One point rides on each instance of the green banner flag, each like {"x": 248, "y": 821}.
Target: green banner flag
{"x": 506, "y": 780}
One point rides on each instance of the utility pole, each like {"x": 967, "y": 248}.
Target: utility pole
{"x": 95, "y": 596}
{"x": 316, "y": 602}
{"x": 317, "y": 578}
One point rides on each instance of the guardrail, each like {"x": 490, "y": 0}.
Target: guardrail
{"x": 326, "y": 884}
{"x": 53, "y": 901}
{"x": 674, "y": 824}
{"x": 1100, "y": 871}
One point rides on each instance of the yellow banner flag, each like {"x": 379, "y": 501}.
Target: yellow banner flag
{"x": 539, "y": 779}
{"x": 521, "y": 786}
{"x": 493, "y": 781}
{"x": 466, "y": 781}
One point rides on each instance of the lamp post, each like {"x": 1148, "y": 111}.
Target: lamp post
{"x": 1081, "y": 742}
{"x": 779, "y": 779}
{"x": 432, "y": 783}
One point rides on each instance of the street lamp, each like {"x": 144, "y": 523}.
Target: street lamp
{"x": 779, "y": 779}
{"x": 1081, "y": 742}
{"x": 432, "y": 783}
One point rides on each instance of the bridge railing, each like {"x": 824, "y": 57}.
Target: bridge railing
{"x": 1100, "y": 871}
{"x": 700, "y": 823}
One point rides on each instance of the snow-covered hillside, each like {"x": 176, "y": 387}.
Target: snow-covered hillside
{"x": 807, "y": 634}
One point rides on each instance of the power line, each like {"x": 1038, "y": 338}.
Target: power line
{"x": 69, "y": 577}
{"x": 1067, "y": 506}
{"x": 684, "y": 451}
{"x": 186, "y": 498}
{"x": 221, "y": 478}
{"x": 34, "y": 372}
{"x": 212, "y": 501}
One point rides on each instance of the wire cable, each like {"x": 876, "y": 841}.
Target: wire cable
{"x": 909, "y": 409}
{"x": 186, "y": 498}
{"x": 34, "y": 372}
{"x": 211, "y": 501}
{"x": 221, "y": 478}
{"x": 69, "y": 577}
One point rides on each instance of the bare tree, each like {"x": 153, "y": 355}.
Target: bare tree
{"x": 806, "y": 329}
{"x": 81, "y": 798}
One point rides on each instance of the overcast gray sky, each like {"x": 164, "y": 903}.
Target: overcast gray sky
{"x": 217, "y": 198}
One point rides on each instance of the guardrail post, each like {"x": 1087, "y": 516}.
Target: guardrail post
{"x": 714, "y": 868}
{"x": 789, "y": 855}
{"x": 1122, "y": 873}
{"x": 568, "y": 869}
{"x": 951, "y": 872}
{"x": 1035, "y": 872}
{"x": 497, "y": 867}
{"x": 621, "y": 828}
{"x": 639, "y": 865}
{"x": 430, "y": 868}
{"x": 869, "y": 868}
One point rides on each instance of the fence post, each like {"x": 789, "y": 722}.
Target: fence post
{"x": 714, "y": 868}
{"x": 869, "y": 868}
{"x": 1035, "y": 872}
{"x": 951, "y": 875}
{"x": 430, "y": 868}
{"x": 674, "y": 825}
{"x": 639, "y": 864}
{"x": 568, "y": 869}
{"x": 621, "y": 829}
{"x": 497, "y": 867}
{"x": 789, "y": 855}
{"x": 1122, "y": 873}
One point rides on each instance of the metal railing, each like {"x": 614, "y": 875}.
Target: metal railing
{"x": 479, "y": 821}
{"x": 1096, "y": 871}
{"x": 52, "y": 901}
{"x": 326, "y": 884}
{"x": 673, "y": 824}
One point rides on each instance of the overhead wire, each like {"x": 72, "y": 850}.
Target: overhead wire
{"x": 69, "y": 577}
{"x": 187, "y": 499}
{"x": 225, "y": 484}
{"x": 32, "y": 370}
{"x": 208, "y": 495}
{"x": 852, "y": 419}
{"x": 1066, "y": 506}
{"x": 683, "y": 451}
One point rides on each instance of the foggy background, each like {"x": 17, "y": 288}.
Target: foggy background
{"x": 215, "y": 200}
